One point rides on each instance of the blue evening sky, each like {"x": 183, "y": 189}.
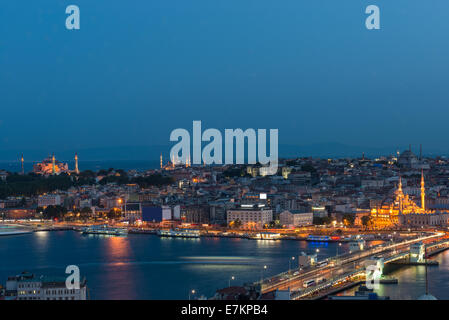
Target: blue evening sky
{"x": 139, "y": 69}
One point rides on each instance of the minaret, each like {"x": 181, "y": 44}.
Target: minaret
{"x": 420, "y": 152}
{"x": 161, "y": 161}
{"x": 423, "y": 192}
{"x": 188, "y": 161}
{"x": 76, "y": 164}
{"x": 53, "y": 165}
{"x": 21, "y": 160}
{"x": 400, "y": 195}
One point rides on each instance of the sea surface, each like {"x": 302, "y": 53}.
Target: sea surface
{"x": 149, "y": 267}
{"x": 139, "y": 165}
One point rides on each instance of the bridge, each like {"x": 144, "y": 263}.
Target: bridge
{"x": 347, "y": 270}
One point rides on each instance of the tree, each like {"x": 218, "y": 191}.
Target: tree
{"x": 235, "y": 224}
{"x": 366, "y": 221}
{"x": 52, "y": 212}
{"x": 322, "y": 220}
{"x": 114, "y": 214}
{"x": 85, "y": 212}
{"x": 348, "y": 219}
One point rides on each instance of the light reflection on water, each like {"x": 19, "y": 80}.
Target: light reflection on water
{"x": 149, "y": 267}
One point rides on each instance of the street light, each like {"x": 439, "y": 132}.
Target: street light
{"x": 191, "y": 292}
{"x": 264, "y": 268}
{"x": 232, "y": 278}
{"x": 339, "y": 245}
{"x": 290, "y": 264}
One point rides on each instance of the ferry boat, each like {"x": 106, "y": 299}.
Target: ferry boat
{"x": 104, "y": 229}
{"x": 265, "y": 236}
{"x": 179, "y": 233}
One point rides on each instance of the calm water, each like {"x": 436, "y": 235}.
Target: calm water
{"x": 139, "y": 165}
{"x": 149, "y": 267}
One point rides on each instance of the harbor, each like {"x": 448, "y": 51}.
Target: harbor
{"x": 115, "y": 266}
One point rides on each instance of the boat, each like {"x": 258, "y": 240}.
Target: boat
{"x": 104, "y": 229}
{"x": 264, "y": 236}
{"x": 179, "y": 233}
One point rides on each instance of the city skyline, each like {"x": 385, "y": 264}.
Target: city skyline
{"x": 245, "y": 151}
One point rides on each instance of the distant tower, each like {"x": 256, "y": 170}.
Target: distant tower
{"x": 401, "y": 195}
{"x": 423, "y": 191}
{"x": 420, "y": 152}
{"x": 76, "y": 164}
{"x": 363, "y": 156}
{"x": 53, "y": 164}
{"x": 188, "y": 161}
{"x": 21, "y": 160}
{"x": 161, "y": 161}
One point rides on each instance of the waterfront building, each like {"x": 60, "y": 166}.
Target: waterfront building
{"x": 27, "y": 286}
{"x": 197, "y": 214}
{"x": 132, "y": 211}
{"x": 251, "y": 216}
{"x": 295, "y": 218}
{"x": 218, "y": 210}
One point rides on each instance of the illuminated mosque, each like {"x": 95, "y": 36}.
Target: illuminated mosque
{"x": 50, "y": 166}
{"x": 403, "y": 211}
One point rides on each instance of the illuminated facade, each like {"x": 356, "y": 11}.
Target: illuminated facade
{"x": 397, "y": 212}
{"x": 50, "y": 166}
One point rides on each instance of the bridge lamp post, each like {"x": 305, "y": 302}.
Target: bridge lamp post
{"x": 290, "y": 264}
{"x": 339, "y": 245}
{"x": 232, "y": 278}
{"x": 264, "y": 268}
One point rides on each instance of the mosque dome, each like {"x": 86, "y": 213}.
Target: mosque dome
{"x": 407, "y": 158}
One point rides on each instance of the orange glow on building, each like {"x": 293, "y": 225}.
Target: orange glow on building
{"x": 388, "y": 215}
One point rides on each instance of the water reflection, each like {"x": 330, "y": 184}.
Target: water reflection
{"x": 150, "y": 267}
{"x": 117, "y": 248}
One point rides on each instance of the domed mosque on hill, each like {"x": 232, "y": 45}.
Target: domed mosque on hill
{"x": 50, "y": 166}
{"x": 402, "y": 210}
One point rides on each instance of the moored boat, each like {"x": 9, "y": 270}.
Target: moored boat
{"x": 105, "y": 230}
{"x": 180, "y": 233}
